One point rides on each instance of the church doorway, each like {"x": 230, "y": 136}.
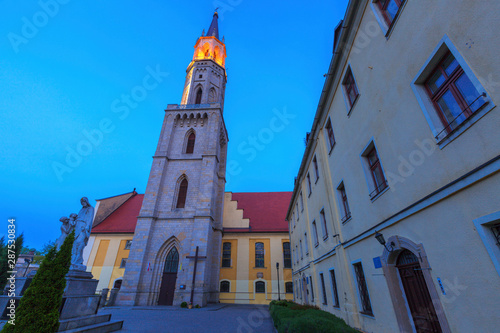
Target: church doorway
{"x": 417, "y": 294}
{"x": 169, "y": 278}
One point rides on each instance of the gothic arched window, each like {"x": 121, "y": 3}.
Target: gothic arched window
{"x": 181, "y": 197}
{"x": 172, "y": 261}
{"x": 190, "y": 143}
{"x": 198, "y": 96}
{"x": 212, "y": 95}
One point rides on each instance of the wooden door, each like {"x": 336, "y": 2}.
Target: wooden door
{"x": 417, "y": 294}
{"x": 169, "y": 278}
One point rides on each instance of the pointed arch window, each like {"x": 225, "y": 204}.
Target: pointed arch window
{"x": 172, "y": 261}
{"x": 190, "y": 143}
{"x": 181, "y": 197}
{"x": 198, "y": 96}
{"x": 212, "y": 95}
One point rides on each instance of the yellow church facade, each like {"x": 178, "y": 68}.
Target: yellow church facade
{"x": 255, "y": 253}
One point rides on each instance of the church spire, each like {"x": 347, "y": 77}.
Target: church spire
{"x": 214, "y": 26}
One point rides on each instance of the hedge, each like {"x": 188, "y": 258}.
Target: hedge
{"x": 290, "y": 317}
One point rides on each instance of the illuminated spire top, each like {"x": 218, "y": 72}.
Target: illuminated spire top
{"x": 214, "y": 27}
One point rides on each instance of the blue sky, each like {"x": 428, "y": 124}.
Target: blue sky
{"x": 64, "y": 63}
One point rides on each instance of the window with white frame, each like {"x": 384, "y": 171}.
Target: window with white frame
{"x": 323, "y": 288}
{"x": 387, "y": 12}
{"x": 316, "y": 170}
{"x": 343, "y": 202}
{"x": 301, "y": 250}
{"x": 128, "y": 244}
{"x": 323, "y": 224}
{"x": 297, "y": 207}
{"x": 349, "y": 88}
{"x": 301, "y": 202}
{"x": 306, "y": 243}
{"x": 450, "y": 95}
{"x": 330, "y": 137}
{"x": 315, "y": 233}
{"x": 334, "y": 289}
{"x": 373, "y": 170}
{"x": 488, "y": 228}
{"x": 364, "y": 297}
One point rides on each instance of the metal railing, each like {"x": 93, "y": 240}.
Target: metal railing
{"x": 460, "y": 114}
{"x": 193, "y": 106}
{"x": 378, "y": 189}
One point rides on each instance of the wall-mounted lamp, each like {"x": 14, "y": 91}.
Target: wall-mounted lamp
{"x": 381, "y": 240}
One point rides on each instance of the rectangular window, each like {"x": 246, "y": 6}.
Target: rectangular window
{"x": 329, "y": 134}
{"x": 312, "y": 288}
{"x": 287, "y": 259}
{"x": 306, "y": 242}
{"x": 350, "y": 89}
{"x": 301, "y": 202}
{"x": 377, "y": 181}
{"x": 389, "y": 9}
{"x": 226, "y": 254}
{"x": 297, "y": 206}
{"x": 363, "y": 289}
{"x": 225, "y": 286}
{"x": 301, "y": 251}
{"x": 323, "y": 224}
{"x": 289, "y": 287}
{"x": 123, "y": 263}
{"x": 315, "y": 233}
{"x": 344, "y": 204}
{"x": 293, "y": 218}
{"x": 309, "y": 183}
{"x": 322, "y": 278}
{"x": 260, "y": 287}
{"x": 128, "y": 244}
{"x": 495, "y": 229}
{"x": 316, "y": 171}
{"x": 452, "y": 93}
{"x": 334, "y": 289}
{"x": 297, "y": 252}
{"x": 259, "y": 254}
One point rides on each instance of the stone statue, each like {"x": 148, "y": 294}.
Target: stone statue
{"x": 83, "y": 226}
{"x": 68, "y": 224}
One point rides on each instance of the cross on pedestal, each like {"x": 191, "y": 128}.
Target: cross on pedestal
{"x": 195, "y": 257}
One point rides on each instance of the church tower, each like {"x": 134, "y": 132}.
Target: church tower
{"x": 175, "y": 252}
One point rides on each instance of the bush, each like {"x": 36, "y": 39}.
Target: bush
{"x": 197, "y": 306}
{"x": 38, "y": 309}
{"x": 184, "y": 305}
{"x": 290, "y": 317}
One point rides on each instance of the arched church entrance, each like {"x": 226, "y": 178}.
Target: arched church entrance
{"x": 169, "y": 278}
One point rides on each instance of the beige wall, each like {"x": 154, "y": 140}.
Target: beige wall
{"x": 390, "y": 112}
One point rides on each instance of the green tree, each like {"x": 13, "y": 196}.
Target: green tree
{"x": 4, "y": 257}
{"x": 38, "y": 309}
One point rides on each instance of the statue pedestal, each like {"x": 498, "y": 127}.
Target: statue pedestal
{"x": 79, "y": 298}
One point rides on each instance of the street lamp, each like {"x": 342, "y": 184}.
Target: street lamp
{"x": 278, "y": 270}
{"x": 381, "y": 240}
{"x": 28, "y": 261}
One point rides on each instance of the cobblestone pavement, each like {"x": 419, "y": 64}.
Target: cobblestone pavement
{"x": 220, "y": 318}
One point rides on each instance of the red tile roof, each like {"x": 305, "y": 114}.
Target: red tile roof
{"x": 123, "y": 219}
{"x": 265, "y": 210}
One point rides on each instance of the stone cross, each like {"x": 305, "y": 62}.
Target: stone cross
{"x": 195, "y": 257}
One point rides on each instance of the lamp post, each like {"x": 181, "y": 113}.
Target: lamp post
{"x": 278, "y": 271}
{"x": 28, "y": 261}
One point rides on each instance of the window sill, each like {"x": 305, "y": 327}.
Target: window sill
{"x": 346, "y": 219}
{"x": 337, "y": 307}
{"x": 316, "y": 245}
{"x": 228, "y": 267}
{"x": 309, "y": 195}
{"x": 465, "y": 125}
{"x": 353, "y": 105}
{"x": 379, "y": 194}
{"x": 316, "y": 181}
{"x": 260, "y": 268}
{"x": 367, "y": 314}
{"x": 325, "y": 237}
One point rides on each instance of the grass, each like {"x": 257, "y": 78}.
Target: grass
{"x": 290, "y": 317}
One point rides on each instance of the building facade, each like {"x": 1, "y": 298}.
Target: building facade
{"x": 255, "y": 238}
{"x": 179, "y": 227}
{"x": 395, "y": 215}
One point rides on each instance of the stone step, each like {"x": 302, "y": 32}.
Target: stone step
{"x": 67, "y": 324}
{"x": 110, "y": 326}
